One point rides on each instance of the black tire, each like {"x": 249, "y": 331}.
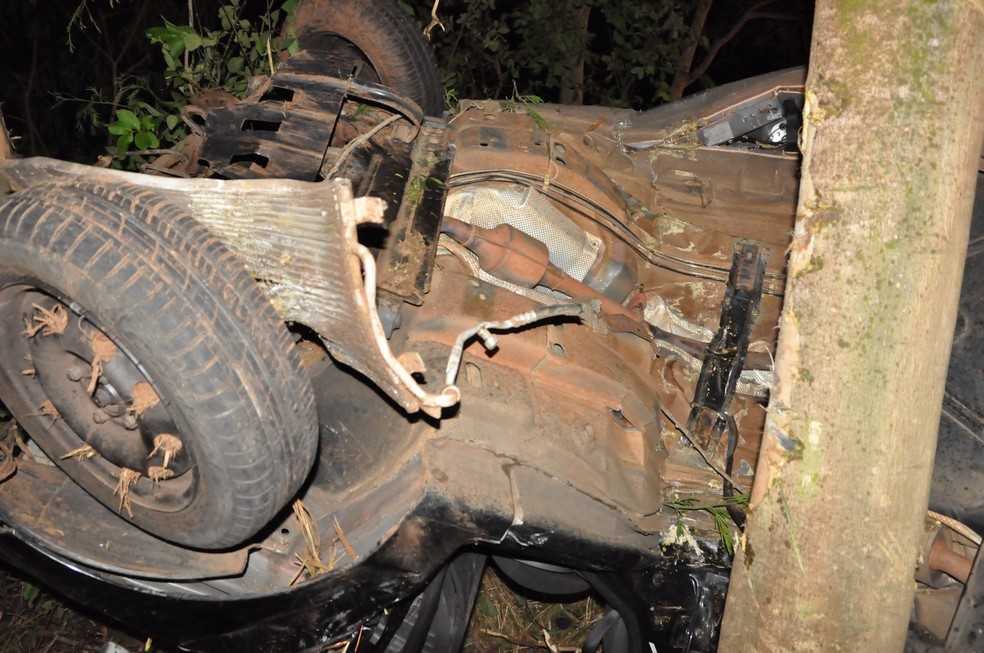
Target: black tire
{"x": 378, "y": 33}
{"x": 436, "y": 621}
{"x": 544, "y": 579}
{"x": 121, "y": 261}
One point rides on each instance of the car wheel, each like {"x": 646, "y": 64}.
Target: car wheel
{"x": 375, "y": 40}
{"x": 145, "y": 362}
{"x": 436, "y": 620}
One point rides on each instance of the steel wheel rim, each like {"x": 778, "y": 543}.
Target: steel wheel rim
{"x": 108, "y": 438}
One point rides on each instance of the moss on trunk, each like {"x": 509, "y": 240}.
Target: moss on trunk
{"x": 891, "y": 135}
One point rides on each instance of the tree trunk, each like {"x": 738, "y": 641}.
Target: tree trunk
{"x": 572, "y": 78}
{"x": 6, "y": 147}
{"x": 892, "y": 131}
{"x": 682, "y": 78}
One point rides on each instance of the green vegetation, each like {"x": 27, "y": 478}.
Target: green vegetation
{"x": 718, "y": 512}
{"x": 79, "y": 62}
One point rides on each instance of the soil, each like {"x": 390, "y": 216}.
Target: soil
{"x": 33, "y": 621}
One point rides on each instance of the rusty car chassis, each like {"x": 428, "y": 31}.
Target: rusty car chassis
{"x": 537, "y": 333}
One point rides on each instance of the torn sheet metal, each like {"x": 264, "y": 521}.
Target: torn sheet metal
{"x": 299, "y": 239}
{"x": 283, "y": 129}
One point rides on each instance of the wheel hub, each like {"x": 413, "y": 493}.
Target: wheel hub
{"x": 98, "y": 404}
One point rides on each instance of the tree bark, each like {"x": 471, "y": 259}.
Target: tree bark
{"x": 892, "y": 131}
{"x": 6, "y": 147}
{"x": 682, "y": 78}
{"x": 572, "y": 79}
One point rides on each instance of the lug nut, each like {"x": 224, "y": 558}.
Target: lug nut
{"x": 130, "y": 422}
{"x": 114, "y": 410}
{"x": 100, "y": 417}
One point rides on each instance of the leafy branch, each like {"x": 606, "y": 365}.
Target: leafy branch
{"x": 198, "y": 60}
{"x": 718, "y": 511}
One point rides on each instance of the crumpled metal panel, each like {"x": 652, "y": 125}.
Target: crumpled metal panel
{"x": 283, "y": 129}
{"x": 299, "y": 239}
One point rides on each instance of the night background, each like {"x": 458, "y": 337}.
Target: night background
{"x": 69, "y": 64}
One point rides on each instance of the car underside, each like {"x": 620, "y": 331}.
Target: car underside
{"x": 535, "y": 335}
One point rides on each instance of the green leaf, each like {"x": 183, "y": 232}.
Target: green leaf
{"x": 540, "y": 121}
{"x": 192, "y": 42}
{"x": 29, "y": 592}
{"x": 167, "y": 35}
{"x": 128, "y": 119}
{"x": 211, "y": 39}
{"x": 118, "y": 129}
{"x": 487, "y": 607}
{"x": 142, "y": 140}
{"x": 171, "y": 121}
{"x": 123, "y": 143}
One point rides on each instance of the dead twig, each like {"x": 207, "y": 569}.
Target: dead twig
{"x": 311, "y": 562}
{"x": 349, "y": 549}
{"x": 525, "y": 643}
{"x": 434, "y": 21}
{"x": 82, "y": 453}
{"x": 47, "y": 409}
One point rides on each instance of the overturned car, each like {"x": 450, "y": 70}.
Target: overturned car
{"x": 299, "y": 385}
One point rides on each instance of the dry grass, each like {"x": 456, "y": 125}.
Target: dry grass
{"x": 126, "y": 478}
{"x": 47, "y": 409}
{"x": 168, "y": 446}
{"x": 50, "y": 322}
{"x": 505, "y": 622}
{"x": 157, "y": 473}
{"x": 310, "y": 562}
{"x": 82, "y": 453}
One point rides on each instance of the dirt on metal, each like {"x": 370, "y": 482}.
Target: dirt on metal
{"x": 103, "y": 351}
{"x": 168, "y": 446}
{"x": 144, "y": 398}
{"x": 50, "y": 322}
{"x": 127, "y": 478}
